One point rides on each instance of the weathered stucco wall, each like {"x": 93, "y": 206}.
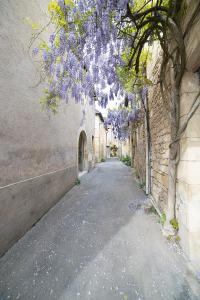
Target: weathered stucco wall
{"x": 99, "y": 139}
{"x": 112, "y": 140}
{"x": 124, "y": 148}
{"x": 38, "y": 152}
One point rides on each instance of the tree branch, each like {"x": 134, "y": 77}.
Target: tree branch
{"x": 136, "y": 16}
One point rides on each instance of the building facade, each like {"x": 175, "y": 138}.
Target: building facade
{"x": 100, "y": 138}
{"x": 40, "y": 154}
{"x": 187, "y": 208}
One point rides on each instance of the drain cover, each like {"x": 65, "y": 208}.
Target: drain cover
{"x": 133, "y": 206}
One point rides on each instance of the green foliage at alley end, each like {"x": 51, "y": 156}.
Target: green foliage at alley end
{"x": 174, "y": 224}
{"x": 77, "y": 182}
{"x": 126, "y": 160}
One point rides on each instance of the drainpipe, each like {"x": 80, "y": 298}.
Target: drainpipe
{"x": 148, "y": 148}
{"x": 99, "y": 142}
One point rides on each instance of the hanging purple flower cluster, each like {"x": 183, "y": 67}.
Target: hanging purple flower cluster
{"x": 81, "y": 57}
{"x": 119, "y": 119}
{"x": 134, "y": 116}
{"x": 143, "y": 93}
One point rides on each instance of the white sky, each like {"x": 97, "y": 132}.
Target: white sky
{"x": 111, "y": 105}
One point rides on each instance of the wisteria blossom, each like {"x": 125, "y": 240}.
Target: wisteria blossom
{"x": 81, "y": 56}
{"x": 119, "y": 119}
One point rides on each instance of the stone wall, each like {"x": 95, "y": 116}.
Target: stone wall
{"x": 140, "y": 153}
{"x": 188, "y": 177}
{"x": 160, "y": 134}
{"x": 38, "y": 152}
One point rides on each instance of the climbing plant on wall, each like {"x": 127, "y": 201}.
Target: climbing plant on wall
{"x": 119, "y": 119}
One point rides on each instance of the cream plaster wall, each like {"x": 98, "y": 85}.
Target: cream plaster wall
{"x": 125, "y": 147}
{"x": 38, "y": 152}
{"x": 99, "y": 139}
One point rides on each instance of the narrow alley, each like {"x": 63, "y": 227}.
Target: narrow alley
{"x": 100, "y": 243}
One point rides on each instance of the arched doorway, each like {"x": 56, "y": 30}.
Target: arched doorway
{"x": 82, "y": 152}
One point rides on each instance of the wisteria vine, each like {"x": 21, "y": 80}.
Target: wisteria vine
{"x": 81, "y": 56}
{"x": 119, "y": 119}
{"x": 97, "y": 41}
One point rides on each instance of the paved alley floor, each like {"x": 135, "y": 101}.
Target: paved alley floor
{"x": 97, "y": 243}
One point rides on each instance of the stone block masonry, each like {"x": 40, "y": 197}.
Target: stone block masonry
{"x": 160, "y": 137}
{"x": 188, "y": 175}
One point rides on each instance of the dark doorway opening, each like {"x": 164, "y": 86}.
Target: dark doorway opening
{"x": 82, "y": 152}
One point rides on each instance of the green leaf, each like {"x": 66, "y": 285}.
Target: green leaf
{"x": 34, "y": 26}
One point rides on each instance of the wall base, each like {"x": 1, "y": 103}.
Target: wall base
{"x": 24, "y": 203}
